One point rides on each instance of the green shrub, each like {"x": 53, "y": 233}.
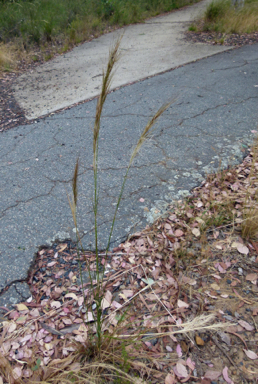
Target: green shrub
{"x": 192, "y": 28}
{"x": 216, "y": 9}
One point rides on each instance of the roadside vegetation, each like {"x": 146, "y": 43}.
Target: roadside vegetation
{"x": 163, "y": 307}
{"x": 223, "y": 17}
{"x": 42, "y": 28}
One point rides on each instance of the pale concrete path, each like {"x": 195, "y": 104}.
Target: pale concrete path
{"x": 147, "y": 49}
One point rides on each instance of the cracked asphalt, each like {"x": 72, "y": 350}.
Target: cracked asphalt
{"x": 210, "y": 125}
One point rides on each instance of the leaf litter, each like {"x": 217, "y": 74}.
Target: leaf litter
{"x": 188, "y": 284}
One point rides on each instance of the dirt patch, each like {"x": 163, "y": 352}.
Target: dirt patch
{"x": 214, "y": 38}
{"x": 11, "y": 114}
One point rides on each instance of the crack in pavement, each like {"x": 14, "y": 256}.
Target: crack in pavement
{"x": 24, "y": 202}
{"x": 5, "y": 289}
{"x": 234, "y": 67}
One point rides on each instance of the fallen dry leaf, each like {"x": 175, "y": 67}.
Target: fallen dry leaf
{"x": 226, "y": 377}
{"x": 170, "y": 379}
{"x": 17, "y": 372}
{"x": 196, "y": 232}
{"x": 181, "y": 370}
{"x": 252, "y": 355}
{"x": 240, "y": 247}
{"x": 252, "y": 277}
{"x": 182, "y": 304}
{"x": 212, "y": 375}
{"x": 51, "y": 264}
{"x": 215, "y": 286}
{"x": 199, "y": 340}
{"x": 246, "y": 325}
{"x": 11, "y": 327}
{"x": 190, "y": 363}
{"x": 62, "y": 247}
{"x": 21, "y": 307}
{"x": 179, "y": 350}
{"x": 55, "y": 304}
{"x": 71, "y": 295}
{"x": 67, "y": 321}
{"x": 255, "y": 311}
{"x": 104, "y": 303}
{"x": 179, "y": 233}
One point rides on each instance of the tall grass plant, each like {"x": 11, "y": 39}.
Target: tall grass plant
{"x": 96, "y": 277}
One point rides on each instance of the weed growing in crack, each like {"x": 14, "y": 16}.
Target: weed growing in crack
{"x": 98, "y": 344}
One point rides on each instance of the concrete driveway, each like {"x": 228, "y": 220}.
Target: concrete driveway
{"x": 147, "y": 49}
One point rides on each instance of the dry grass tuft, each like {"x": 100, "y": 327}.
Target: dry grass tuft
{"x": 242, "y": 21}
{"x": 250, "y": 222}
{"x": 222, "y": 17}
{"x": 250, "y": 208}
{"x": 6, "y": 57}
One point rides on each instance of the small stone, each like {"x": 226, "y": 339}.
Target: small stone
{"x": 229, "y": 281}
{"x": 14, "y": 300}
{"x": 152, "y": 341}
{"x": 228, "y": 312}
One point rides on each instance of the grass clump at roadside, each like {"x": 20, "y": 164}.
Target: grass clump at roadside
{"x": 53, "y": 26}
{"x": 222, "y": 17}
{"x": 6, "y": 58}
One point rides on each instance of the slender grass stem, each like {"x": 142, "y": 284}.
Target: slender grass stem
{"x": 99, "y": 290}
{"x": 106, "y": 81}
